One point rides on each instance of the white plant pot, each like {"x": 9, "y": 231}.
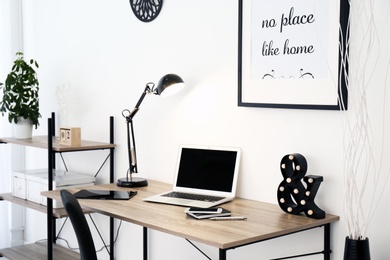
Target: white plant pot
{"x": 23, "y": 129}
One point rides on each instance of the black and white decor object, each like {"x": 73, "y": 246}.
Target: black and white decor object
{"x": 293, "y": 197}
{"x": 146, "y": 10}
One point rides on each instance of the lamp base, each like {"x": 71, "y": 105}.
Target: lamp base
{"x": 133, "y": 182}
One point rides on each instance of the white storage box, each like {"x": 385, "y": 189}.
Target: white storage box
{"x": 19, "y": 185}
{"x": 37, "y": 181}
{"x": 19, "y": 182}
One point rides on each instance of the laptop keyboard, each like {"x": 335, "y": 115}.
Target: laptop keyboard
{"x": 190, "y": 196}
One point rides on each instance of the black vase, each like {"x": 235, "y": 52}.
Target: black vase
{"x": 356, "y": 249}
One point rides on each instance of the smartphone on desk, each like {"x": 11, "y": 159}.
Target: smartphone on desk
{"x": 203, "y": 210}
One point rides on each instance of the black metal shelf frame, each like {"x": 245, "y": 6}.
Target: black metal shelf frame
{"x": 51, "y": 228}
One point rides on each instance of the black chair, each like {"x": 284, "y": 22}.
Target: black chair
{"x": 80, "y": 226}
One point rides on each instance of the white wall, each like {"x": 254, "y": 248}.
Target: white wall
{"x": 107, "y": 56}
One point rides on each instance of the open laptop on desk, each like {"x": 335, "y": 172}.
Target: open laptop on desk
{"x": 205, "y": 176}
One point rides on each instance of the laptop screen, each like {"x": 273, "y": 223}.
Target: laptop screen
{"x": 207, "y": 169}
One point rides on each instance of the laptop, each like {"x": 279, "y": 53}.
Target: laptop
{"x": 205, "y": 176}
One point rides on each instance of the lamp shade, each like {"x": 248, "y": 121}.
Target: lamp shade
{"x": 169, "y": 84}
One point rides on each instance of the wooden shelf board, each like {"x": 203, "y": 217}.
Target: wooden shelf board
{"x": 41, "y": 142}
{"x": 38, "y": 251}
{"x": 57, "y": 213}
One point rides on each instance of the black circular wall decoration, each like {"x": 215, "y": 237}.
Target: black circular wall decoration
{"x": 146, "y": 10}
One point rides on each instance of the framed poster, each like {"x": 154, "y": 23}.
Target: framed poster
{"x": 290, "y": 53}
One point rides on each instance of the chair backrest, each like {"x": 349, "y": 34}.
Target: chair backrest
{"x": 80, "y": 226}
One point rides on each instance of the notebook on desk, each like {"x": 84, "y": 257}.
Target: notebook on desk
{"x": 205, "y": 176}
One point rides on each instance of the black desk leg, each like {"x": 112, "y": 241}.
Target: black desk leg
{"x": 327, "y": 250}
{"x": 222, "y": 254}
{"x": 145, "y": 243}
{"x": 112, "y": 239}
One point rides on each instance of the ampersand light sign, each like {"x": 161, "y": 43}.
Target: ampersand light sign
{"x": 293, "y": 196}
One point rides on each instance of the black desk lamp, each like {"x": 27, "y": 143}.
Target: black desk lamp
{"x": 169, "y": 84}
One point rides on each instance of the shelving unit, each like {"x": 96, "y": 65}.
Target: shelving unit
{"x": 51, "y": 143}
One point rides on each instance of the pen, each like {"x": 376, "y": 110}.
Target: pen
{"x": 229, "y": 218}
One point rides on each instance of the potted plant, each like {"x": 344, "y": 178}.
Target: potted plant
{"x": 20, "y": 96}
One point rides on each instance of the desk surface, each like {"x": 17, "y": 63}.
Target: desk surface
{"x": 264, "y": 221}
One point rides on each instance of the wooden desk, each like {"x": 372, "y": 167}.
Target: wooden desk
{"x": 265, "y": 221}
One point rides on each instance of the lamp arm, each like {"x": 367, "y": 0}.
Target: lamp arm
{"x": 131, "y": 148}
{"x": 130, "y": 131}
{"x": 148, "y": 89}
